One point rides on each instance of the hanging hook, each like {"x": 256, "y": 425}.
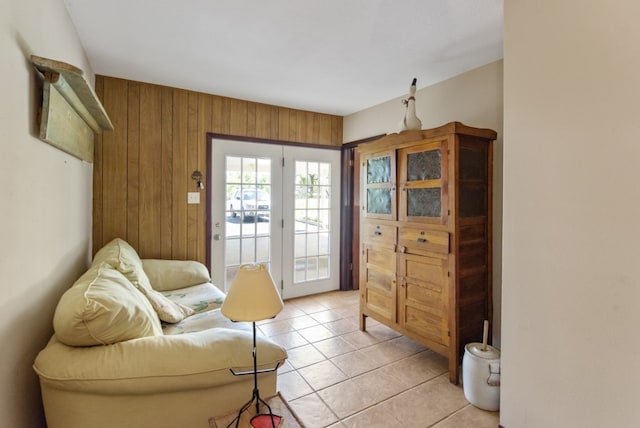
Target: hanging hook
{"x": 197, "y": 176}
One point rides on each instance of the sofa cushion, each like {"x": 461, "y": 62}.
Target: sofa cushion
{"x": 200, "y": 298}
{"x": 153, "y": 365}
{"x": 123, "y": 257}
{"x": 103, "y": 307}
{"x": 202, "y": 321}
{"x": 166, "y": 275}
{"x": 119, "y": 254}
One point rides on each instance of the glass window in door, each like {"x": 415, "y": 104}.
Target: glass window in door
{"x": 312, "y": 244}
{"x": 248, "y": 212}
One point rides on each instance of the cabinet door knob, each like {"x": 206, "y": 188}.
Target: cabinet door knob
{"x": 422, "y": 240}
{"x": 377, "y": 233}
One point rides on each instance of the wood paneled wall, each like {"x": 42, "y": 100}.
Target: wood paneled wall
{"x": 142, "y": 169}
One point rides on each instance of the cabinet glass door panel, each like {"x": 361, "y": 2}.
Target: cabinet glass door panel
{"x": 424, "y": 202}
{"x": 378, "y": 174}
{"x": 422, "y": 176}
{"x": 379, "y": 170}
{"x": 379, "y": 201}
{"x": 426, "y": 165}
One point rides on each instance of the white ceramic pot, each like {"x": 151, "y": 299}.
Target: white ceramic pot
{"x": 481, "y": 376}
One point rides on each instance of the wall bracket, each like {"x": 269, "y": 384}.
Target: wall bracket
{"x": 71, "y": 113}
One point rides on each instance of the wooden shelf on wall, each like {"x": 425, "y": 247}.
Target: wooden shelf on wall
{"x": 71, "y": 113}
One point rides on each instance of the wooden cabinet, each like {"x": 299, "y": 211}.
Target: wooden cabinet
{"x": 425, "y": 236}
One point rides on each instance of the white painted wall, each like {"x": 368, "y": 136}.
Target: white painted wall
{"x": 45, "y": 204}
{"x": 473, "y": 98}
{"x": 571, "y": 277}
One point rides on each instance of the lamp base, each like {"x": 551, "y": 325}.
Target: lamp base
{"x": 266, "y": 421}
{"x": 270, "y": 418}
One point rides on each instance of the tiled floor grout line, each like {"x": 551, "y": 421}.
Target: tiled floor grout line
{"x": 383, "y": 400}
{"x": 401, "y": 392}
{"x": 359, "y": 375}
{"x": 341, "y": 321}
{"x": 451, "y": 415}
{"x": 321, "y": 399}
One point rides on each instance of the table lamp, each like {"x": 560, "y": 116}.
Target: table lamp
{"x": 253, "y": 297}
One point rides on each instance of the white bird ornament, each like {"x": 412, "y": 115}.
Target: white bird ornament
{"x": 410, "y": 121}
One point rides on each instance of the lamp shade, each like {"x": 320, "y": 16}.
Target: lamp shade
{"x": 253, "y": 295}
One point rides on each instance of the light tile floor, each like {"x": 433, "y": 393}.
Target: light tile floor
{"x": 340, "y": 377}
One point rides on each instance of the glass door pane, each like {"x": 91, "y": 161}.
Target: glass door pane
{"x": 312, "y": 221}
{"x": 246, "y": 181}
{"x": 293, "y": 228}
{"x": 311, "y": 238}
{"x": 248, "y": 212}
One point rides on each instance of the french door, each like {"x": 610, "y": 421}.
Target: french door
{"x": 277, "y": 205}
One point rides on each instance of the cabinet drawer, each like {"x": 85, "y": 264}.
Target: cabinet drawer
{"x": 423, "y": 239}
{"x": 375, "y": 233}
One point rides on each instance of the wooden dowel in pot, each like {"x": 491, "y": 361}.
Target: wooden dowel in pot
{"x": 485, "y": 335}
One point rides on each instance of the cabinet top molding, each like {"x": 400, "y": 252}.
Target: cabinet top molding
{"x": 74, "y": 87}
{"x": 419, "y": 135}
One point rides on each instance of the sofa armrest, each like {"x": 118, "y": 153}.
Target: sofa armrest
{"x": 166, "y": 275}
{"x": 155, "y": 364}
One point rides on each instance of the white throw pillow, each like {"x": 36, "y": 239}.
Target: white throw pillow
{"x": 123, "y": 257}
{"x": 101, "y": 308}
{"x": 166, "y": 275}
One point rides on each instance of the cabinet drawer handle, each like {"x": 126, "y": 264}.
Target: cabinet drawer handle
{"x": 377, "y": 233}
{"x": 422, "y": 240}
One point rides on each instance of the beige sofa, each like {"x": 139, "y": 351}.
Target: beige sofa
{"x": 142, "y": 343}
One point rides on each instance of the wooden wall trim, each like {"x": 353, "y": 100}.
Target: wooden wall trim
{"x": 142, "y": 169}
{"x": 363, "y": 140}
{"x": 213, "y": 135}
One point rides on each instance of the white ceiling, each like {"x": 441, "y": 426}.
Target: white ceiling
{"x": 331, "y": 56}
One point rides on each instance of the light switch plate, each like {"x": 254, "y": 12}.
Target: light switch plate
{"x": 193, "y": 197}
